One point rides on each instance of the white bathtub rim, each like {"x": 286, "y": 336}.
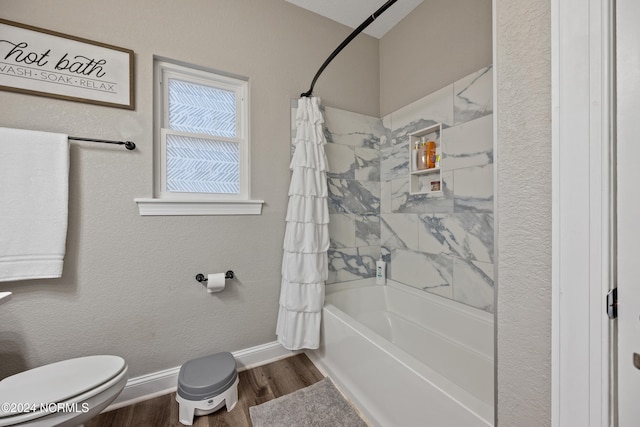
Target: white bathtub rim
{"x": 458, "y": 306}
{"x": 465, "y": 309}
{"x": 468, "y": 401}
{"x": 480, "y": 355}
{"x": 468, "y": 311}
{"x": 332, "y": 287}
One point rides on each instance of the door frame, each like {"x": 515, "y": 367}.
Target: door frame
{"x": 582, "y": 197}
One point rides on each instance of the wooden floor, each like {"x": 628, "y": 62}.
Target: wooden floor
{"x": 256, "y": 386}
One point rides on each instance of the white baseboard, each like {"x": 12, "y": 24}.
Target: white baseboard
{"x": 164, "y": 382}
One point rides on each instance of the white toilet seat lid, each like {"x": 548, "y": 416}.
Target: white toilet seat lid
{"x": 59, "y": 381}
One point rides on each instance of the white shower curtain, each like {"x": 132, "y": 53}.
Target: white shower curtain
{"x": 306, "y": 240}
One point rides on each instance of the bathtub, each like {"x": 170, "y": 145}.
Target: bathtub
{"x": 408, "y": 358}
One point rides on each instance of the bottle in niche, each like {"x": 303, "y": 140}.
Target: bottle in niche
{"x": 414, "y": 156}
{"x": 431, "y": 154}
{"x": 422, "y": 155}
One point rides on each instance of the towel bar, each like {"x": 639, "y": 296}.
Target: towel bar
{"x": 129, "y": 145}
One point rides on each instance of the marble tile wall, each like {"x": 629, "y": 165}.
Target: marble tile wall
{"x": 353, "y": 155}
{"x": 441, "y": 243}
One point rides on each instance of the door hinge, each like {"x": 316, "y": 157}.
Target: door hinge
{"x": 612, "y": 303}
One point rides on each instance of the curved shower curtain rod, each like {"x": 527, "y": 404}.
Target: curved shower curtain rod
{"x": 346, "y": 41}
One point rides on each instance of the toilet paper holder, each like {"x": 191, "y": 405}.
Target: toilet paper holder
{"x": 202, "y": 278}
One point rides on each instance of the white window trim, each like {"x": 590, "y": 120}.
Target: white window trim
{"x": 165, "y": 207}
{"x": 168, "y": 203}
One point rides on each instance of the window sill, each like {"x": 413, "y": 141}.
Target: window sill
{"x": 164, "y": 207}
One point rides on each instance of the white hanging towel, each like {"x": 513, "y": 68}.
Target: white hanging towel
{"x": 34, "y": 194}
{"x": 306, "y": 241}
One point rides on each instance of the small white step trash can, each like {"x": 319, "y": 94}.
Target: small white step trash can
{"x": 205, "y": 384}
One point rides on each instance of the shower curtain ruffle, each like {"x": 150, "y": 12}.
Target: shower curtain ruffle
{"x": 308, "y": 182}
{"x": 302, "y": 298}
{"x": 308, "y": 153}
{"x": 295, "y": 326}
{"x": 304, "y": 268}
{"x": 306, "y": 239}
{"x": 307, "y": 209}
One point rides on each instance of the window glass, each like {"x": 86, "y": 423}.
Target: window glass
{"x": 197, "y": 165}
{"x": 202, "y": 134}
{"x": 197, "y": 108}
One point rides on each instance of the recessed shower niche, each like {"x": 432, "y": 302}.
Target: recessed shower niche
{"x": 426, "y": 180}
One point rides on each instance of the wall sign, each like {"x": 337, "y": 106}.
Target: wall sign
{"x": 42, "y": 62}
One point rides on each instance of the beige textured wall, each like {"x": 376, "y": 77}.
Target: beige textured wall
{"x": 439, "y": 42}
{"x": 523, "y": 67}
{"x": 128, "y": 286}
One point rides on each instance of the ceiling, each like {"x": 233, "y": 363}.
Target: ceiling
{"x": 352, "y": 13}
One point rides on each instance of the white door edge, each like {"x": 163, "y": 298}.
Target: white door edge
{"x": 581, "y": 217}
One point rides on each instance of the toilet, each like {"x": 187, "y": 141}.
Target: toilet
{"x": 66, "y": 393}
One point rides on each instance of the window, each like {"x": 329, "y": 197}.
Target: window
{"x": 201, "y": 143}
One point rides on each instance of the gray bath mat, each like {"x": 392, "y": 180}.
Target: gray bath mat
{"x": 319, "y": 405}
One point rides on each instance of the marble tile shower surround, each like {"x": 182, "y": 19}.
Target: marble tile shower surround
{"x": 441, "y": 243}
